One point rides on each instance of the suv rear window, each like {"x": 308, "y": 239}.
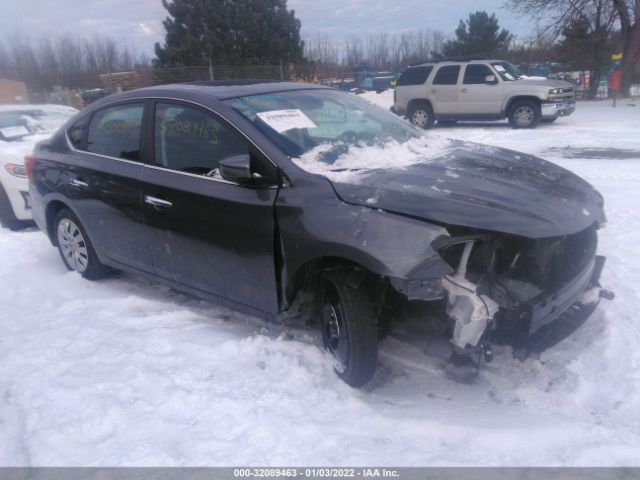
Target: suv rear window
{"x": 414, "y": 76}
{"x": 447, "y": 75}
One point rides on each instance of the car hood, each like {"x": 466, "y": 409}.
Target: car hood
{"x": 481, "y": 187}
{"x": 15, "y": 150}
{"x": 537, "y": 83}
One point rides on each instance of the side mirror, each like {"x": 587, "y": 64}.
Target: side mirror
{"x": 490, "y": 80}
{"x": 236, "y": 169}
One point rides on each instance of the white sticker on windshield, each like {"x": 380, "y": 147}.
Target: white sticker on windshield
{"x": 499, "y": 68}
{"x": 12, "y": 132}
{"x": 283, "y": 120}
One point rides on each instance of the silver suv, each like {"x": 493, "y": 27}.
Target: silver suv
{"x": 448, "y": 91}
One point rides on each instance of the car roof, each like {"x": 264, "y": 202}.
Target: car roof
{"x": 218, "y": 90}
{"x": 452, "y": 61}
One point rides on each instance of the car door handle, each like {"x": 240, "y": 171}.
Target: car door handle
{"x": 463, "y": 90}
{"x": 74, "y": 182}
{"x": 157, "y": 202}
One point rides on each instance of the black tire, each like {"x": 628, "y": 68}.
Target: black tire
{"x": 421, "y": 115}
{"x": 8, "y": 219}
{"x": 348, "y": 330}
{"x": 524, "y": 114}
{"x": 548, "y": 120}
{"x": 75, "y": 247}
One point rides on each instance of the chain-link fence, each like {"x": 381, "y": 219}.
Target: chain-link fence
{"x": 81, "y": 88}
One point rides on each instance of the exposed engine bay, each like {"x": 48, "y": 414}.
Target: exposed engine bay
{"x": 508, "y": 288}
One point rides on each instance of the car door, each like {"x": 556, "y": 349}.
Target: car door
{"x": 207, "y": 233}
{"x": 444, "y": 90}
{"x": 477, "y": 96}
{"x": 102, "y": 181}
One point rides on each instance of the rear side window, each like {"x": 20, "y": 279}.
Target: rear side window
{"x": 414, "y": 76}
{"x": 75, "y": 133}
{"x": 447, "y": 75}
{"x": 115, "y": 132}
{"x": 191, "y": 140}
{"x": 476, "y": 74}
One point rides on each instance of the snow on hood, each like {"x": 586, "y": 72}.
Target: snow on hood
{"x": 17, "y": 149}
{"x": 49, "y": 119}
{"x": 361, "y": 159}
{"x": 459, "y": 183}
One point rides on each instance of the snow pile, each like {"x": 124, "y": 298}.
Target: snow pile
{"x": 383, "y": 99}
{"x": 361, "y": 158}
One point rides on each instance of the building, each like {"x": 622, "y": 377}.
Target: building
{"x": 12, "y": 91}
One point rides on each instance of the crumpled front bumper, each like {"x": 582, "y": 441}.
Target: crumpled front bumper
{"x": 555, "y": 109}
{"x": 550, "y": 317}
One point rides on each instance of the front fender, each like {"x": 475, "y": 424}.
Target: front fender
{"x": 314, "y": 223}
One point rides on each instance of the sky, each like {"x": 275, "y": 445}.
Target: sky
{"x": 139, "y": 22}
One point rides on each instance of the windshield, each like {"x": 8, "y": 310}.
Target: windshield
{"x": 507, "y": 71}
{"x": 326, "y": 121}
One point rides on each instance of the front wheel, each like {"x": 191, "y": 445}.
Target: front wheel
{"x": 75, "y": 248}
{"x": 524, "y": 114}
{"x": 348, "y": 330}
{"x": 421, "y": 115}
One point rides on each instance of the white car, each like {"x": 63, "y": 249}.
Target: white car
{"x": 21, "y": 127}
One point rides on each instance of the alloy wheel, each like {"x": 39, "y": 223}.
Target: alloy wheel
{"x": 420, "y": 118}
{"x": 524, "y": 116}
{"x": 72, "y": 245}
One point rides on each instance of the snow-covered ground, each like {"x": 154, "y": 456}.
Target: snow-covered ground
{"x": 125, "y": 372}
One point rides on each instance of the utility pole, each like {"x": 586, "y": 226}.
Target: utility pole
{"x": 210, "y": 70}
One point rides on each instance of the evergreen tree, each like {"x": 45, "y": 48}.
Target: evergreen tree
{"x": 481, "y": 35}
{"x": 586, "y": 47}
{"x": 231, "y": 32}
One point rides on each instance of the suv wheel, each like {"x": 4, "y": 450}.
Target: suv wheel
{"x": 524, "y": 114}
{"x": 8, "y": 219}
{"x": 348, "y": 330}
{"x": 75, "y": 247}
{"x": 421, "y": 115}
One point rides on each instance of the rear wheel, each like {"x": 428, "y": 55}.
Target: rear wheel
{"x": 421, "y": 115}
{"x": 348, "y": 330}
{"x": 75, "y": 248}
{"x": 524, "y": 114}
{"x": 8, "y": 219}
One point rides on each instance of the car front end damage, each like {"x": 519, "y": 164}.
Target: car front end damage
{"x": 529, "y": 293}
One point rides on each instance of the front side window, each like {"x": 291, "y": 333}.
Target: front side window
{"x": 191, "y": 140}
{"x": 115, "y": 132}
{"x": 447, "y": 75}
{"x": 476, "y": 74}
{"x": 414, "y": 76}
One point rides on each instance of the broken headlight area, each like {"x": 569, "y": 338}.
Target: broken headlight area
{"x": 526, "y": 292}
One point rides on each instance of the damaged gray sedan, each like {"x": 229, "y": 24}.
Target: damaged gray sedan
{"x": 499, "y": 246}
{"x": 286, "y": 198}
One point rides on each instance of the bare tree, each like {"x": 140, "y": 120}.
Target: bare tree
{"x": 602, "y": 15}
{"x": 65, "y": 60}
